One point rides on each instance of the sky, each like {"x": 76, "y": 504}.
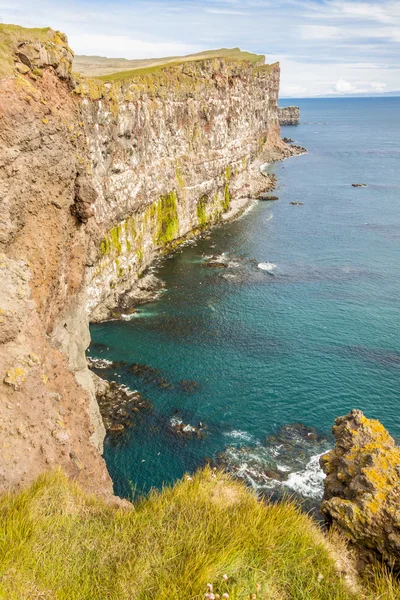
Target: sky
{"x": 325, "y": 47}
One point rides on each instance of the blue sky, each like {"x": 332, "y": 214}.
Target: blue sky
{"x": 324, "y": 46}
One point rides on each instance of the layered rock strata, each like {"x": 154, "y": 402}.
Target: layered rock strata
{"x": 362, "y": 487}
{"x": 97, "y": 180}
{"x": 289, "y": 115}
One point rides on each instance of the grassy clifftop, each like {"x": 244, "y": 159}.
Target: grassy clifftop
{"x": 13, "y": 35}
{"x": 58, "y": 543}
{"x": 121, "y": 68}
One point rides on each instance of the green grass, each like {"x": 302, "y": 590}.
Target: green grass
{"x": 11, "y": 36}
{"x": 234, "y": 54}
{"x": 57, "y": 542}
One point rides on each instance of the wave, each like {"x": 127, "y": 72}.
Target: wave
{"x": 266, "y": 266}
{"x": 287, "y": 462}
{"x": 309, "y": 482}
{"x": 239, "y": 435}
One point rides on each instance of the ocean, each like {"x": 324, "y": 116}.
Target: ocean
{"x": 299, "y": 325}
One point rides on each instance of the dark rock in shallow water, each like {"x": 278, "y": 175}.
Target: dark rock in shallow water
{"x": 150, "y": 375}
{"x": 287, "y": 140}
{"x": 266, "y": 196}
{"x": 185, "y": 430}
{"x": 216, "y": 265}
{"x": 297, "y": 203}
{"x": 118, "y": 404}
{"x": 359, "y": 185}
{"x": 189, "y": 386}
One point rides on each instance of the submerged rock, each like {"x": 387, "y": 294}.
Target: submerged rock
{"x": 188, "y": 385}
{"x": 359, "y": 185}
{"x": 118, "y": 404}
{"x": 297, "y": 203}
{"x": 266, "y": 196}
{"x": 150, "y": 375}
{"x": 362, "y": 487}
{"x": 178, "y": 427}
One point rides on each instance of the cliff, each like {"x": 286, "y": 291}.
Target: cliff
{"x": 362, "y": 487}
{"x": 99, "y": 177}
{"x": 289, "y": 115}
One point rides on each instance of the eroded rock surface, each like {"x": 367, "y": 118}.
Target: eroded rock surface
{"x": 289, "y": 115}
{"x": 362, "y": 487}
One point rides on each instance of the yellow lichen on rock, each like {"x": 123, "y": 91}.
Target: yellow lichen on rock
{"x": 362, "y": 487}
{"x": 16, "y": 376}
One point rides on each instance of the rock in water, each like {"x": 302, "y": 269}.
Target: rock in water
{"x": 289, "y": 115}
{"x": 362, "y": 487}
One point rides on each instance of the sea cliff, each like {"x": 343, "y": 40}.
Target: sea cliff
{"x": 100, "y": 177}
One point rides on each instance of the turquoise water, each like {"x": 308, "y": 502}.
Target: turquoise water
{"x": 309, "y": 337}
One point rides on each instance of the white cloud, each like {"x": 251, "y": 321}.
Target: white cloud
{"x": 320, "y": 44}
{"x": 223, "y": 11}
{"x": 343, "y": 87}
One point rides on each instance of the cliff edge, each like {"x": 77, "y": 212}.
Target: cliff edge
{"x": 362, "y": 487}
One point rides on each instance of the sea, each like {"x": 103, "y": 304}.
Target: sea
{"x": 271, "y": 326}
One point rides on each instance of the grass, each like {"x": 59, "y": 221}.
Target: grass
{"x": 11, "y": 36}
{"x": 56, "y": 542}
{"x": 101, "y": 67}
{"x": 234, "y": 54}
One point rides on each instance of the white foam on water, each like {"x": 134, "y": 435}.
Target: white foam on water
{"x": 267, "y": 266}
{"x": 129, "y": 317}
{"x": 239, "y": 435}
{"x": 308, "y": 482}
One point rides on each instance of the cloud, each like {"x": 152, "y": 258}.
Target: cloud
{"x": 343, "y": 87}
{"x": 324, "y": 46}
{"x": 223, "y": 11}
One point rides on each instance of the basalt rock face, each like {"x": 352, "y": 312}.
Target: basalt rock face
{"x": 97, "y": 180}
{"x": 362, "y": 487}
{"x": 169, "y": 151}
{"x": 289, "y": 115}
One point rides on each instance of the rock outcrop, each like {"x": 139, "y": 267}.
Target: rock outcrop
{"x": 97, "y": 180}
{"x": 289, "y": 115}
{"x": 362, "y": 487}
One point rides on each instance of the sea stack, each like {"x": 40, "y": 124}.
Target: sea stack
{"x": 289, "y": 115}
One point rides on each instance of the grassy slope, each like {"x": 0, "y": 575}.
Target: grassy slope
{"x": 115, "y": 69}
{"x": 11, "y": 36}
{"x": 58, "y": 543}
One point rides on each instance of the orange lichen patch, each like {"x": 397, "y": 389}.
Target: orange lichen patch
{"x": 362, "y": 488}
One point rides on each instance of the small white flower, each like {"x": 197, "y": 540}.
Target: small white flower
{"x": 225, "y": 577}
{"x": 210, "y": 586}
{"x": 225, "y": 595}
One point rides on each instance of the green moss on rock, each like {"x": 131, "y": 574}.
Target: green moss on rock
{"x": 167, "y": 219}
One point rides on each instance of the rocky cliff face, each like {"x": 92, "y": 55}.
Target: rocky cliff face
{"x": 289, "y": 115}
{"x": 99, "y": 179}
{"x": 362, "y": 487}
{"x": 168, "y": 153}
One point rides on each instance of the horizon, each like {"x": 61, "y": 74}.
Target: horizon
{"x": 326, "y": 48}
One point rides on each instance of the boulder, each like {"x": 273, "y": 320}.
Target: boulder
{"x": 362, "y": 487}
